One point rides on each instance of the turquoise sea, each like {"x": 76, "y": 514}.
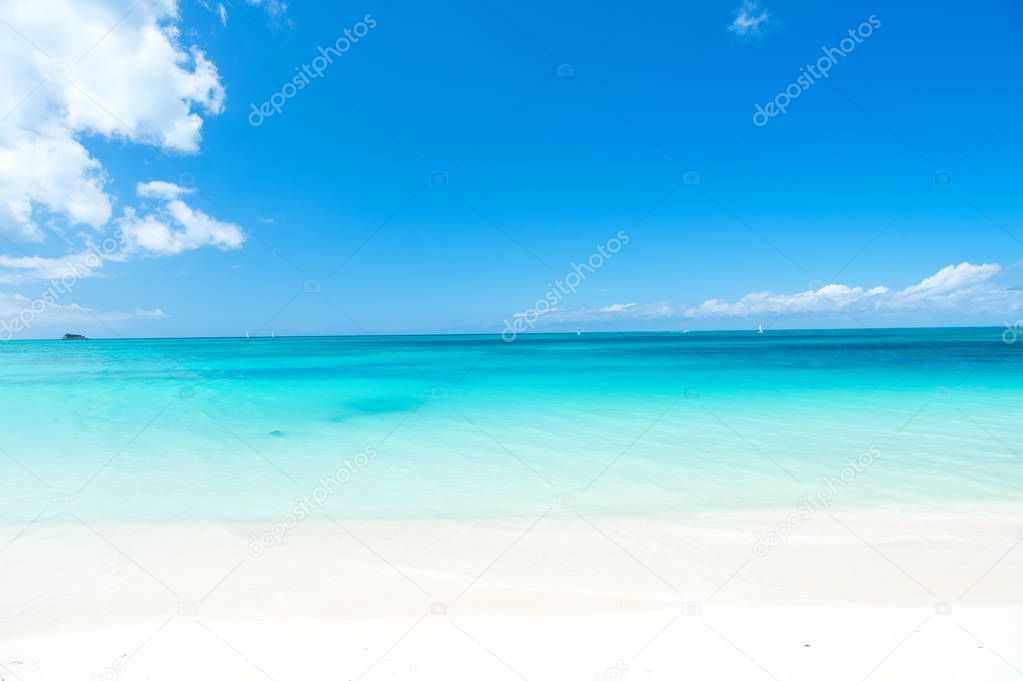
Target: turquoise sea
{"x": 472, "y": 426}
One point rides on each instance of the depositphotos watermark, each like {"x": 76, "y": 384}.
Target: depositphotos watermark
{"x": 307, "y": 72}
{"x": 811, "y": 73}
{"x": 556, "y": 291}
{"x": 306, "y": 504}
{"x": 615, "y": 672}
{"x": 116, "y": 670}
{"x": 820, "y": 498}
{"x": 1012, "y": 332}
{"x": 75, "y": 269}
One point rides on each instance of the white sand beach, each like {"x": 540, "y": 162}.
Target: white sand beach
{"x": 850, "y": 595}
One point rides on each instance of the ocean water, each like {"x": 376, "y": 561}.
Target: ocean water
{"x": 471, "y": 426}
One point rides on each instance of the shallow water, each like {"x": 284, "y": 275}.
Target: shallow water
{"x": 471, "y": 426}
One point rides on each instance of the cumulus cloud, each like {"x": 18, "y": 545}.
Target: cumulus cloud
{"x": 749, "y": 19}
{"x": 966, "y": 287}
{"x": 117, "y": 69}
{"x": 172, "y": 227}
{"x": 827, "y": 298}
{"x": 158, "y": 189}
{"x": 962, "y": 289}
{"x": 168, "y": 226}
{"x": 47, "y": 172}
{"x": 72, "y": 68}
{"x": 948, "y": 286}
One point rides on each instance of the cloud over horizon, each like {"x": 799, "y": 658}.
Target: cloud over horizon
{"x": 965, "y": 287}
{"x": 15, "y": 307}
{"x": 954, "y": 286}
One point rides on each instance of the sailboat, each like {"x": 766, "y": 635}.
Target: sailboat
{"x": 760, "y": 329}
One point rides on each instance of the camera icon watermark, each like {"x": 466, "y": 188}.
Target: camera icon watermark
{"x": 438, "y": 392}
{"x": 312, "y": 286}
{"x": 187, "y": 609}
{"x": 60, "y": 500}
{"x": 691, "y": 177}
{"x": 565, "y": 501}
{"x": 438, "y": 178}
{"x": 943, "y": 392}
{"x": 692, "y": 608}
{"x": 565, "y": 70}
{"x": 61, "y": 70}
{"x": 691, "y": 393}
{"x": 943, "y": 608}
{"x": 617, "y": 672}
{"x": 943, "y": 178}
{"x": 186, "y": 179}
{"x": 438, "y": 608}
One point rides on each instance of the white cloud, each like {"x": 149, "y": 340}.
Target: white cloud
{"x": 44, "y": 317}
{"x": 47, "y": 171}
{"x": 155, "y": 313}
{"x": 275, "y": 9}
{"x": 536, "y": 312}
{"x": 118, "y": 69}
{"x": 965, "y": 287}
{"x": 158, "y": 189}
{"x": 218, "y": 9}
{"x": 827, "y": 298}
{"x": 174, "y": 227}
{"x": 187, "y": 230}
{"x": 618, "y": 307}
{"x": 114, "y": 68}
{"x": 962, "y": 289}
{"x": 749, "y": 19}
{"x": 627, "y": 310}
{"x": 18, "y": 270}
{"x": 949, "y": 285}
{"x": 169, "y": 227}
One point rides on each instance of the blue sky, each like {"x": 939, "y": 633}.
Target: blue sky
{"x": 324, "y": 218}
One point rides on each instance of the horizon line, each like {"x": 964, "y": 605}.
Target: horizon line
{"x": 497, "y": 334}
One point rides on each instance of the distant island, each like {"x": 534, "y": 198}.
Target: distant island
{"x": 74, "y": 336}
